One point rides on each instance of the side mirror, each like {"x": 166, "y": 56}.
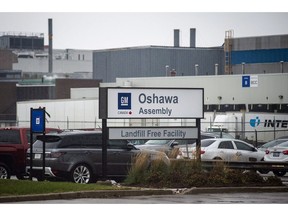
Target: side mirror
{"x": 130, "y": 146}
{"x": 174, "y": 144}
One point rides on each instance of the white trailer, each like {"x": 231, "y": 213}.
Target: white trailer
{"x": 253, "y": 126}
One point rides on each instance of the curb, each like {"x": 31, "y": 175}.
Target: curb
{"x": 85, "y": 194}
{"x": 236, "y": 190}
{"x": 140, "y": 192}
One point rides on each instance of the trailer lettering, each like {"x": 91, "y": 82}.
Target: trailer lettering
{"x": 276, "y": 123}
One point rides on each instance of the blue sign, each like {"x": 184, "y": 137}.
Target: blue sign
{"x": 37, "y": 120}
{"x": 124, "y": 101}
{"x": 246, "y": 81}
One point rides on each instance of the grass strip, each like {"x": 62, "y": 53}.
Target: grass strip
{"x": 10, "y": 187}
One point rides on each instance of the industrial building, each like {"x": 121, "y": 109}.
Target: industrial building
{"x": 242, "y": 101}
{"x": 241, "y": 76}
{"x": 155, "y": 61}
{"x": 25, "y": 72}
{"x": 26, "y": 53}
{"x": 21, "y": 41}
{"x": 249, "y": 55}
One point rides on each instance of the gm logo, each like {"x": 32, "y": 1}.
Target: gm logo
{"x": 124, "y": 101}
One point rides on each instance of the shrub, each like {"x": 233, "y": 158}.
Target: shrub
{"x": 183, "y": 173}
{"x": 252, "y": 178}
{"x": 273, "y": 181}
{"x": 137, "y": 173}
{"x": 157, "y": 172}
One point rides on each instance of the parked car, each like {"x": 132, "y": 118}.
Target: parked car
{"x": 277, "y": 153}
{"x": 77, "y": 156}
{"x": 175, "y": 148}
{"x": 137, "y": 142}
{"x": 14, "y": 142}
{"x": 227, "y": 150}
{"x": 272, "y": 143}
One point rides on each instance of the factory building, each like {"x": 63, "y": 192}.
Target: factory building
{"x": 155, "y": 61}
{"x": 256, "y": 55}
{"x": 21, "y": 41}
{"x": 249, "y": 55}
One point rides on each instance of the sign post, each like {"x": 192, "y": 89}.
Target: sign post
{"x": 37, "y": 125}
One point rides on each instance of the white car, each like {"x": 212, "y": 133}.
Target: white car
{"x": 225, "y": 149}
{"x": 277, "y": 153}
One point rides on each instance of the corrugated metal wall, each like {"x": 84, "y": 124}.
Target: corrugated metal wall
{"x": 256, "y": 55}
{"x": 263, "y": 42}
{"x": 152, "y": 61}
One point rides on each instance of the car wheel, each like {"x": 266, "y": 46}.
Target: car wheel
{"x": 81, "y": 174}
{"x": 22, "y": 177}
{"x": 279, "y": 173}
{"x": 4, "y": 172}
{"x": 40, "y": 178}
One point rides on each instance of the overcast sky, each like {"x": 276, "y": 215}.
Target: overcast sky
{"x": 102, "y": 30}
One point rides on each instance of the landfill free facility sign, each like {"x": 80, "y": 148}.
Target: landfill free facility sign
{"x": 155, "y": 103}
{"x": 154, "y": 133}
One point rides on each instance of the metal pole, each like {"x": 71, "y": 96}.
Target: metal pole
{"x": 104, "y": 148}
{"x": 198, "y": 140}
{"x": 256, "y": 139}
{"x": 31, "y": 146}
{"x": 50, "y": 35}
{"x": 167, "y": 68}
{"x": 274, "y": 121}
{"x": 44, "y": 144}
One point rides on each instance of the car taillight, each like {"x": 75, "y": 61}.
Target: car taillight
{"x": 267, "y": 151}
{"x": 202, "y": 152}
{"x": 285, "y": 152}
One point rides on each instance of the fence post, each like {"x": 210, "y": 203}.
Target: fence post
{"x": 274, "y": 128}
{"x": 256, "y": 139}
{"x": 67, "y": 122}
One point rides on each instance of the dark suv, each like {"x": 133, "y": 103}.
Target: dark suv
{"x": 77, "y": 156}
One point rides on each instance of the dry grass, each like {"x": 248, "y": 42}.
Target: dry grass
{"x": 190, "y": 173}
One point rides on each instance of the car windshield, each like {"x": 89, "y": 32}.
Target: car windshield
{"x": 48, "y": 145}
{"x": 137, "y": 142}
{"x": 157, "y": 142}
{"x": 204, "y": 143}
{"x": 10, "y": 137}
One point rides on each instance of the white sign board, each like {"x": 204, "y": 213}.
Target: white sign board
{"x": 155, "y": 103}
{"x": 153, "y": 133}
